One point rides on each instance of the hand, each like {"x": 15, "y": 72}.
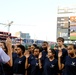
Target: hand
{"x": 8, "y": 42}
{"x": 27, "y": 55}
{"x": 59, "y": 53}
{"x": 40, "y": 55}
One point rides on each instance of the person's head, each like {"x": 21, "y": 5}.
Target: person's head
{"x": 51, "y": 53}
{"x": 41, "y": 49}
{"x": 3, "y": 46}
{"x": 71, "y": 49}
{"x": 33, "y": 46}
{"x": 55, "y": 47}
{"x": 13, "y": 48}
{"x": 29, "y": 47}
{"x": 75, "y": 48}
{"x": 60, "y": 41}
{"x": 44, "y": 45}
{"x": 36, "y": 51}
{"x": 20, "y": 49}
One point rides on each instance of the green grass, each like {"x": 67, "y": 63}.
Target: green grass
{"x": 72, "y": 37}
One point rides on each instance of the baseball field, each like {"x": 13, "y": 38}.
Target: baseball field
{"x": 73, "y": 36}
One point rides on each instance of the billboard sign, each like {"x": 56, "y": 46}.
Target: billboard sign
{"x": 73, "y": 28}
{"x": 62, "y": 33}
{"x": 62, "y": 22}
{"x": 66, "y": 10}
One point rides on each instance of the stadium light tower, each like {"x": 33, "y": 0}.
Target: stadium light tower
{"x": 9, "y": 24}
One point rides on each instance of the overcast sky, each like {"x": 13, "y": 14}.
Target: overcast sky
{"x": 37, "y": 17}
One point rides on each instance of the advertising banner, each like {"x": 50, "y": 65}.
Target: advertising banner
{"x": 62, "y": 33}
{"x": 73, "y": 28}
{"x": 63, "y": 22}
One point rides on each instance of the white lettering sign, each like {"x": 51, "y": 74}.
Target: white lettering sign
{"x": 63, "y": 34}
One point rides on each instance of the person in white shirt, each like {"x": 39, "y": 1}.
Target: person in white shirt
{"x": 4, "y": 58}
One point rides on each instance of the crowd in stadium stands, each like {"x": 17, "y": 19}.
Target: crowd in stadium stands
{"x": 17, "y": 60}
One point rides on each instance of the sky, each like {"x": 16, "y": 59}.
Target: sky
{"x": 37, "y": 17}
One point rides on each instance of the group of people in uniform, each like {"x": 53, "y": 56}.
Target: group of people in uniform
{"x": 16, "y": 60}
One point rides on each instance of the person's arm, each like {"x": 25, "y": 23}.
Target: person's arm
{"x": 4, "y": 58}
{"x": 9, "y": 47}
{"x": 60, "y": 65}
{"x": 40, "y": 65}
{"x": 48, "y": 48}
{"x": 26, "y": 62}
